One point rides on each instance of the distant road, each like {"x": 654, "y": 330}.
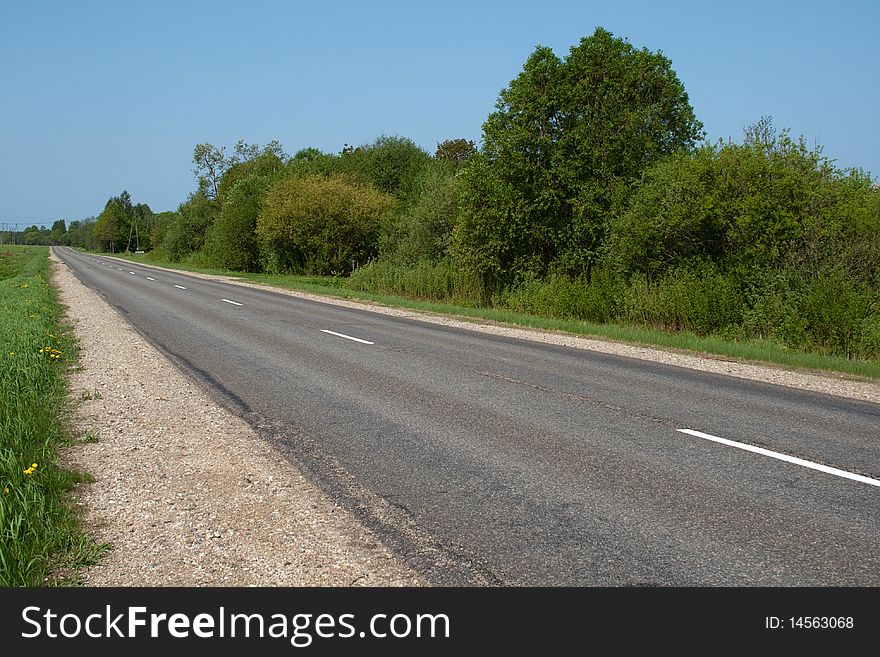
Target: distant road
{"x": 489, "y": 460}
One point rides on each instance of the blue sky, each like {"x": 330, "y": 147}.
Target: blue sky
{"x": 98, "y": 97}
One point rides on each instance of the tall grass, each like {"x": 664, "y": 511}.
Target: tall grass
{"x": 39, "y": 536}
{"x": 440, "y": 281}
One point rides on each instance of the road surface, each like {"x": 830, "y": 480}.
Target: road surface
{"x": 484, "y": 460}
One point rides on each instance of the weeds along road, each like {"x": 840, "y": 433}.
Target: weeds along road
{"x": 489, "y": 460}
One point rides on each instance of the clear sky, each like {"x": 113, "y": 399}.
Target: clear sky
{"x": 99, "y": 97}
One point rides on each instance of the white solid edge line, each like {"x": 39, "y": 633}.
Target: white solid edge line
{"x": 347, "y": 337}
{"x": 180, "y": 286}
{"x": 784, "y": 457}
{"x": 234, "y": 303}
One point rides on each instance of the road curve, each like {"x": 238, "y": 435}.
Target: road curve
{"x": 488, "y": 460}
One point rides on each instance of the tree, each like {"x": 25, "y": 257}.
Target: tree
{"x": 232, "y": 241}
{"x": 210, "y": 165}
{"x": 186, "y": 232}
{"x": 561, "y": 153}
{"x": 80, "y": 233}
{"x": 421, "y": 231}
{"x": 35, "y": 235}
{"x": 113, "y": 224}
{"x": 307, "y": 154}
{"x": 455, "y": 151}
{"x": 390, "y": 164}
{"x": 321, "y": 224}
{"x": 159, "y": 225}
{"x": 264, "y": 164}
{"x": 245, "y": 151}
{"x": 58, "y": 233}
{"x": 141, "y": 224}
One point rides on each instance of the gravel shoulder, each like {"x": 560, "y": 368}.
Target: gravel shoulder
{"x": 184, "y": 492}
{"x": 187, "y": 494}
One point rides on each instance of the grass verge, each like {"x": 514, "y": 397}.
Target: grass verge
{"x": 752, "y": 351}
{"x": 41, "y": 542}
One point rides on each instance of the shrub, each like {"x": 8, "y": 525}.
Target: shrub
{"x": 695, "y": 297}
{"x": 749, "y": 208}
{"x": 321, "y": 224}
{"x": 836, "y": 311}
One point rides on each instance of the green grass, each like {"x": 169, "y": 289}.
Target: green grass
{"x": 40, "y": 539}
{"x": 755, "y": 351}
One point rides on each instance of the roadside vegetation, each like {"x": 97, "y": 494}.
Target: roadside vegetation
{"x": 40, "y": 541}
{"x": 593, "y": 200}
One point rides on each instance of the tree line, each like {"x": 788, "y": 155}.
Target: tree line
{"x": 593, "y": 195}
{"x": 38, "y": 235}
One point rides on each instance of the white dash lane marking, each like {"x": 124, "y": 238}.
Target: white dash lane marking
{"x": 784, "y": 457}
{"x": 347, "y": 337}
{"x": 119, "y": 268}
{"x": 179, "y": 286}
{"x": 132, "y": 273}
{"x": 150, "y": 278}
{"x": 234, "y": 303}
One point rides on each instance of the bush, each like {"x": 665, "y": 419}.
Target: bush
{"x": 320, "y": 224}
{"x": 694, "y": 297}
{"x": 157, "y": 254}
{"x": 869, "y": 344}
{"x": 749, "y": 208}
{"x": 199, "y": 260}
{"x": 836, "y": 311}
{"x": 773, "y": 310}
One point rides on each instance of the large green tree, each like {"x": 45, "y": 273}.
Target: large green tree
{"x": 114, "y": 223}
{"x": 58, "y": 234}
{"x": 391, "y": 164}
{"x": 564, "y": 147}
{"x": 189, "y": 226}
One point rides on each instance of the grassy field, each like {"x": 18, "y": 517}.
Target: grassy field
{"x": 40, "y": 541}
{"x": 755, "y": 351}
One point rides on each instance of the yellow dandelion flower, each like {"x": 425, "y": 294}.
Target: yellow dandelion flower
{"x": 6, "y": 490}
{"x": 34, "y": 466}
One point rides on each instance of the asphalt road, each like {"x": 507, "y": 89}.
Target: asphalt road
{"x": 487, "y": 460}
